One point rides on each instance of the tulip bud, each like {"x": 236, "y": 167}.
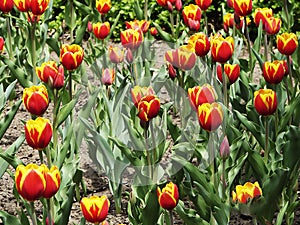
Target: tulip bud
{"x": 71, "y": 56}
{"x": 101, "y": 30}
{"x": 47, "y": 221}
{"x": 200, "y": 43}
{"x": 172, "y": 71}
{"x": 224, "y": 148}
{"x": 203, "y": 4}
{"x": 59, "y": 80}
{"x": 103, "y": 6}
{"x": 137, "y": 93}
{"x": 272, "y": 25}
{"x": 191, "y": 16}
{"x": 148, "y": 107}
{"x": 178, "y": 5}
{"x": 116, "y": 55}
{"x": 273, "y": 72}
{"x": 168, "y": 197}
{"x": 90, "y": 26}
{"x": 287, "y": 43}
{"x": 108, "y": 76}
{"x": 129, "y": 56}
{"x": 210, "y": 116}
{"x": 231, "y": 71}
{"x": 242, "y": 7}
{"x": 131, "y": 38}
{"x": 221, "y": 48}
{"x": 200, "y": 95}
{"x": 153, "y": 31}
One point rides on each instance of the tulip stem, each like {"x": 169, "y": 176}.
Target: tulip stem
{"x": 49, "y": 211}
{"x": 206, "y": 23}
{"x": 41, "y": 156}
{"x": 55, "y": 136}
{"x": 223, "y": 178}
{"x": 70, "y": 85}
{"x": 172, "y": 24}
{"x": 249, "y": 47}
{"x": 171, "y": 217}
{"x": 154, "y": 152}
{"x": 146, "y": 10}
{"x": 33, "y": 51}
{"x": 10, "y": 53}
{"x": 148, "y": 152}
{"x": 266, "y": 47}
{"x": 48, "y": 156}
{"x": 285, "y": 6}
{"x": 212, "y": 157}
{"x": 266, "y": 154}
{"x": 225, "y": 89}
{"x": 32, "y": 214}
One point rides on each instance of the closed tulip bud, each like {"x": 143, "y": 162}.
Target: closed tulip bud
{"x": 199, "y": 95}
{"x": 272, "y": 25}
{"x": 30, "y": 181}
{"x": 132, "y": 38}
{"x": 116, "y": 55}
{"x": 6, "y": 6}
{"x": 242, "y": 7}
{"x": 71, "y": 56}
{"x": 168, "y": 4}
{"x": 287, "y": 43}
{"x": 108, "y": 76}
{"x": 221, "y": 48}
{"x": 153, "y": 31}
{"x": 89, "y": 27}
{"x": 183, "y": 57}
{"x": 142, "y": 25}
{"x": 178, "y": 5}
{"x": 129, "y": 56}
{"x": 273, "y": 72}
{"x": 38, "y": 133}
{"x": 1, "y": 44}
{"x": 94, "y": 208}
{"x": 59, "y": 80}
{"x": 148, "y": 107}
{"x": 203, "y": 4}
{"x": 168, "y": 197}
{"x": 101, "y": 30}
{"x": 52, "y": 178}
{"x": 246, "y": 192}
{"x": 47, "y": 221}
{"x": 35, "y": 99}
{"x": 224, "y": 148}
{"x": 210, "y": 116}
{"x": 191, "y": 16}
{"x": 172, "y": 71}
{"x": 261, "y": 14}
{"x": 137, "y": 93}
{"x": 265, "y": 101}
{"x": 103, "y": 6}
{"x": 200, "y": 44}
{"x": 230, "y": 3}
{"x": 231, "y": 71}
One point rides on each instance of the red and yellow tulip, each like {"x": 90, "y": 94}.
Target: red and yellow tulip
{"x": 53, "y": 179}
{"x": 272, "y": 25}
{"x": 101, "y": 30}
{"x": 203, "y": 4}
{"x": 103, "y": 6}
{"x": 172, "y": 71}
{"x": 94, "y": 208}
{"x": 23, "y": 5}
{"x": 35, "y": 99}
{"x": 273, "y": 72}
{"x": 153, "y": 31}
{"x": 199, "y": 95}
{"x": 168, "y": 197}
{"x": 37, "y": 7}
{"x": 200, "y": 43}
{"x": 246, "y": 192}
{"x": 169, "y": 4}
{"x": 192, "y": 16}
{"x": 242, "y": 7}
{"x": 228, "y": 21}
{"x": 221, "y": 48}
{"x": 287, "y": 43}
{"x": 231, "y": 71}
{"x": 131, "y": 38}
{"x": 183, "y": 57}
{"x": 116, "y": 55}
{"x": 138, "y": 92}
{"x": 210, "y": 116}
{"x": 148, "y": 107}
{"x": 71, "y": 56}
{"x": 6, "y": 5}
{"x": 38, "y": 133}
{"x": 261, "y": 14}
{"x": 49, "y": 73}
{"x": 30, "y": 181}
{"x": 265, "y": 101}
{"x": 142, "y": 25}
{"x": 108, "y": 76}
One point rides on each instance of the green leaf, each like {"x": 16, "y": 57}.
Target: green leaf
{"x": 138, "y": 11}
{"x": 82, "y": 7}
{"x": 113, "y": 27}
{"x": 70, "y": 15}
{"x": 150, "y": 213}
{"x": 260, "y": 60}
{"x": 53, "y": 43}
{"x": 281, "y": 214}
{"x": 258, "y": 164}
{"x": 164, "y": 35}
{"x": 291, "y": 158}
{"x": 81, "y": 30}
{"x": 8, "y": 219}
{"x": 288, "y": 113}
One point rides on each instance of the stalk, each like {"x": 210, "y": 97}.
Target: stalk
{"x": 266, "y": 154}
{"x": 48, "y": 157}
{"x": 49, "y": 211}
{"x": 285, "y": 6}
{"x": 154, "y": 152}
{"x": 148, "y": 152}
{"x": 206, "y": 23}
{"x": 146, "y": 10}
{"x": 33, "y": 51}
{"x": 72, "y": 22}
{"x": 171, "y": 217}
{"x": 41, "y": 156}
{"x": 223, "y": 179}
{"x": 54, "y": 116}
{"x": 225, "y": 90}
{"x": 266, "y": 47}
{"x": 172, "y": 24}
{"x": 32, "y": 214}
{"x": 9, "y": 37}
{"x": 249, "y": 47}
{"x": 212, "y": 157}
{"x": 70, "y": 85}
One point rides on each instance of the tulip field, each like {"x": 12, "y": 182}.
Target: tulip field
{"x": 180, "y": 116}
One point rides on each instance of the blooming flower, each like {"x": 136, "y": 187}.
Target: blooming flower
{"x": 103, "y": 6}
{"x": 261, "y": 14}
{"x": 273, "y": 72}
{"x": 71, "y": 56}
{"x": 49, "y": 73}
{"x": 272, "y": 25}
{"x": 142, "y": 25}
{"x": 200, "y": 43}
{"x": 38, "y": 133}
{"x": 199, "y": 95}
{"x": 246, "y": 192}
{"x": 116, "y": 55}
{"x": 191, "y": 16}
{"x": 265, "y": 101}
{"x": 203, "y": 4}
{"x": 148, "y": 107}
{"x": 37, "y": 7}
{"x": 6, "y": 5}
{"x": 131, "y": 38}
{"x": 221, "y": 48}
{"x": 242, "y": 7}
{"x": 35, "y": 99}
{"x": 169, "y": 4}
{"x": 287, "y": 43}
{"x": 94, "y": 208}
{"x": 210, "y": 116}
{"x": 168, "y": 197}
{"x": 138, "y": 92}
{"x": 1, "y": 44}
{"x": 101, "y": 30}
{"x": 52, "y": 178}
{"x": 229, "y": 19}
{"x": 231, "y": 71}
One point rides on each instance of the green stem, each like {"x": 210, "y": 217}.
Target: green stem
{"x": 33, "y": 52}
{"x": 146, "y": 10}
{"x": 212, "y": 157}
{"x": 171, "y": 217}
{"x": 49, "y": 211}
{"x": 249, "y": 47}
{"x": 154, "y": 152}
{"x": 254, "y": 220}
{"x": 223, "y": 179}
{"x": 54, "y": 116}
{"x": 41, "y": 156}
{"x": 266, "y": 154}
{"x": 172, "y": 24}
{"x": 148, "y": 153}
{"x": 32, "y": 214}
{"x": 285, "y": 5}
{"x": 266, "y": 47}
{"x": 10, "y": 53}
{"x": 206, "y": 23}
{"x": 48, "y": 154}
{"x": 70, "y": 86}
{"x": 225, "y": 91}
{"x": 72, "y": 21}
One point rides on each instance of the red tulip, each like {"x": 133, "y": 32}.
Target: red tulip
{"x": 203, "y": 4}
{"x": 168, "y": 197}
{"x": 191, "y": 16}
{"x": 261, "y": 14}
{"x": 273, "y": 72}
{"x": 153, "y": 31}
{"x": 6, "y": 5}
{"x": 265, "y": 101}
{"x": 200, "y": 44}
{"x": 52, "y": 178}
{"x": 131, "y": 38}
{"x": 108, "y": 76}
{"x": 287, "y": 43}
{"x": 148, "y": 107}
{"x": 49, "y": 73}
{"x": 210, "y": 116}
{"x": 116, "y": 55}
{"x": 142, "y": 25}
{"x": 1, "y": 44}
{"x": 71, "y": 56}
{"x": 221, "y": 49}
{"x": 95, "y": 209}
{"x": 246, "y": 192}
{"x": 242, "y": 7}
{"x": 199, "y": 95}
{"x": 101, "y": 30}
{"x": 272, "y": 25}
{"x": 103, "y": 6}
{"x": 137, "y": 93}
{"x": 172, "y": 71}
{"x": 231, "y": 71}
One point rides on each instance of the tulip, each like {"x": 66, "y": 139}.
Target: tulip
{"x": 287, "y": 43}
{"x": 199, "y": 95}
{"x": 183, "y": 57}
{"x": 272, "y": 25}
{"x": 129, "y": 56}
{"x": 210, "y": 116}
{"x": 108, "y": 76}
{"x": 261, "y": 14}
{"x": 224, "y": 148}
{"x": 30, "y": 181}
{"x": 94, "y": 208}
{"x": 38, "y": 7}
{"x": 49, "y": 73}
{"x": 221, "y": 49}
{"x": 203, "y": 4}
{"x": 52, "y": 177}
{"x": 273, "y": 72}
{"x": 191, "y": 16}
{"x": 265, "y": 102}
{"x": 242, "y": 7}
{"x": 172, "y": 71}
{"x": 137, "y": 93}
{"x": 1, "y": 44}
{"x": 229, "y": 20}
{"x": 38, "y": 133}
{"x": 103, "y": 6}
{"x": 285, "y": 66}
{"x": 246, "y": 192}
{"x": 148, "y": 107}
{"x": 23, "y": 5}
{"x": 153, "y": 31}
{"x": 31, "y": 18}
{"x": 35, "y": 99}
{"x": 168, "y": 197}
{"x": 231, "y": 71}
{"x": 230, "y": 3}
{"x": 131, "y": 38}
{"x": 71, "y": 56}
{"x": 6, "y": 6}
{"x": 168, "y": 4}
{"x": 142, "y": 25}
{"x": 200, "y": 44}
{"x": 89, "y": 27}
{"x": 101, "y": 30}
{"x": 116, "y": 55}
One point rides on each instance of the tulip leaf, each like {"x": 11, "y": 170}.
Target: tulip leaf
{"x": 138, "y": 11}
{"x": 164, "y": 35}
{"x": 150, "y": 213}
{"x": 257, "y": 42}
{"x": 236, "y": 169}
{"x": 53, "y": 43}
{"x": 291, "y": 158}
{"x": 81, "y": 30}
{"x": 6, "y": 121}
{"x": 82, "y": 7}
{"x": 258, "y": 164}
{"x": 116, "y": 20}
{"x": 281, "y": 213}
{"x": 260, "y": 60}
{"x": 8, "y": 219}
